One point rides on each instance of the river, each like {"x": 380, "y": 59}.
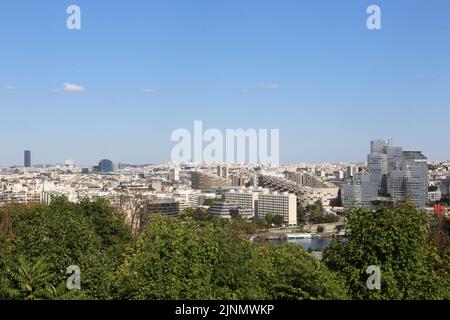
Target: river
{"x": 315, "y": 243}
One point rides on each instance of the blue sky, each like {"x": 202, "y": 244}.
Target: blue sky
{"x": 330, "y": 84}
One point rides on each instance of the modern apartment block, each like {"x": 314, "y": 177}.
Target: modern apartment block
{"x": 309, "y": 196}
{"x": 222, "y": 209}
{"x": 283, "y": 204}
{"x": 393, "y": 175}
{"x": 263, "y": 201}
{"x": 21, "y": 197}
{"x": 307, "y": 179}
{"x": 204, "y": 181}
{"x": 245, "y": 198}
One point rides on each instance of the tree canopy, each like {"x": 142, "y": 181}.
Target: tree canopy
{"x": 397, "y": 240}
{"x": 192, "y": 257}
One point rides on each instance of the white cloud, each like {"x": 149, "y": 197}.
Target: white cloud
{"x": 70, "y": 87}
{"x": 9, "y": 88}
{"x": 149, "y": 90}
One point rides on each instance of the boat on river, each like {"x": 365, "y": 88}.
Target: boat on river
{"x": 296, "y": 236}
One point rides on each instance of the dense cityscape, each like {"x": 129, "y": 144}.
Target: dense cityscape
{"x": 251, "y": 191}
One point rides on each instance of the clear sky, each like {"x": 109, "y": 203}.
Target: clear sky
{"x": 309, "y": 68}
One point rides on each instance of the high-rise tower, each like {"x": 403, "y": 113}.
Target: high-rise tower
{"x": 27, "y": 159}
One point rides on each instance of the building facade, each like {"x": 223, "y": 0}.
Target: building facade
{"x": 283, "y": 204}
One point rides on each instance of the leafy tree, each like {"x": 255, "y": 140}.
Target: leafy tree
{"x": 293, "y": 274}
{"x": 274, "y": 220}
{"x": 198, "y": 214}
{"x": 244, "y": 228}
{"x": 179, "y": 260}
{"x": 197, "y": 258}
{"x": 396, "y": 240}
{"x": 22, "y": 279}
{"x": 278, "y": 220}
{"x": 301, "y": 216}
{"x": 318, "y": 206}
{"x": 90, "y": 235}
{"x": 316, "y": 216}
{"x": 260, "y": 222}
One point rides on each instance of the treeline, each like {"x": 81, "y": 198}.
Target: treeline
{"x": 190, "y": 259}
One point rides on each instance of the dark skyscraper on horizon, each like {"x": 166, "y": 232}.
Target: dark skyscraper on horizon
{"x": 27, "y": 159}
{"x": 106, "y": 166}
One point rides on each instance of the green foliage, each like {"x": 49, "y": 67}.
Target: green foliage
{"x": 316, "y": 214}
{"x": 243, "y": 227}
{"x": 433, "y": 188}
{"x": 301, "y": 216}
{"x": 317, "y": 217}
{"x": 179, "y": 260}
{"x": 260, "y": 222}
{"x": 87, "y": 235}
{"x": 210, "y": 202}
{"x": 293, "y": 274}
{"x": 198, "y": 214}
{"x": 273, "y": 220}
{"x": 195, "y": 257}
{"x": 22, "y": 279}
{"x": 396, "y": 240}
{"x": 278, "y": 220}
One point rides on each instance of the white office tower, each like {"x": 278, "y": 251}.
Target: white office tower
{"x": 361, "y": 191}
{"x": 395, "y": 157}
{"x": 378, "y": 146}
{"x": 377, "y": 166}
{"x": 351, "y": 195}
{"x": 174, "y": 174}
{"x": 283, "y": 204}
{"x": 222, "y": 171}
{"x": 410, "y": 179}
{"x": 393, "y": 175}
{"x": 369, "y": 189}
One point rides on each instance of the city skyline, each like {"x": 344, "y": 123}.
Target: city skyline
{"x": 134, "y": 73}
{"x": 95, "y": 162}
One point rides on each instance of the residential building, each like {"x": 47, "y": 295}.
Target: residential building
{"x": 283, "y": 204}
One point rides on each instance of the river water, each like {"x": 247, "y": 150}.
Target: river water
{"x": 315, "y": 243}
